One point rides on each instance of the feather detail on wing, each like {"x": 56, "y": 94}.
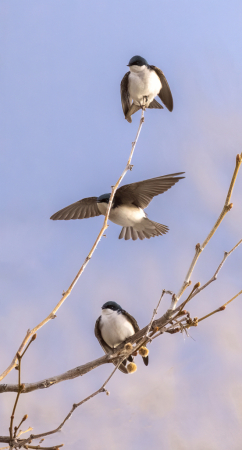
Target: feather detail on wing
{"x": 141, "y": 193}
{"x": 83, "y": 209}
{"x": 165, "y": 92}
{"x": 125, "y": 97}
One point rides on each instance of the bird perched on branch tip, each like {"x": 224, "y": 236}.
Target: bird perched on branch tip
{"x": 141, "y": 85}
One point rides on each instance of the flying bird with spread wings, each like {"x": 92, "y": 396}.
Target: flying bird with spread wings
{"x": 127, "y": 209}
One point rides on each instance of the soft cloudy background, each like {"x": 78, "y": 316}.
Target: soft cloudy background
{"x": 64, "y": 137}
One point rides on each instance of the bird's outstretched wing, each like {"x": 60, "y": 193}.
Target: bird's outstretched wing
{"x": 105, "y": 346}
{"x": 83, "y": 209}
{"x": 140, "y": 194}
{"x": 165, "y": 92}
{"x": 125, "y": 97}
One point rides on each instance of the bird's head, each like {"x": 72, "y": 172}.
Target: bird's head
{"x": 110, "y": 307}
{"x": 137, "y": 61}
{"x": 103, "y": 198}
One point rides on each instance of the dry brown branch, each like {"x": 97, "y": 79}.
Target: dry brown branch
{"x": 197, "y": 288}
{"x": 75, "y": 406}
{"x": 221, "y": 308}
{"x": 199, "y": 248}
{"x": 120, "y": 354}
{"x": 44, "y": 448}
{"x": 12, "y": 435}
{"x": 214, "y": 278}
{"x": 156, "y": 310}
{"x": 52, "y": 315}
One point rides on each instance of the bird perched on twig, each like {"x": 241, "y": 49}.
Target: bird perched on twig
{"x": 142, "y": 84}
{"x": 127, "y": 208}
{"x": 113, "y": 327}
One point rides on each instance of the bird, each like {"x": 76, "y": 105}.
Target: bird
{"x": 113, "y": 327}
{"x": 127, "y": 207}
{"x": 142, "y": 84}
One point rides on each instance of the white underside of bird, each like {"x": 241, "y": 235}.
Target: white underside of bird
{"x": 144, "y": 85}
{"x": 126, "y": 216}
{"x": 115, "y": 327}
{"x": 134, "y": 222}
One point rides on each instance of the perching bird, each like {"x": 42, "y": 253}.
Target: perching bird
{"x": 142, "y": 84}
{"x": 127, "y": 208}
{"x": 113, "y": 327}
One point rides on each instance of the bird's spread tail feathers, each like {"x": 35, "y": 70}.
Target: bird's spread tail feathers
{"x": 155, "y": 105}
{"x": 147, "y": 229}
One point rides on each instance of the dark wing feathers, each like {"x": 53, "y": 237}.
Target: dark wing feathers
{"x": 105, "y": 346}
{"x": 136, "y": 328}
{"x": 142, "y": 192}
{"x": 83, "y": 209}
{"x": 125, "y": 98}
{"x": 132, "y": 320}
{"x": 165, "y": 92}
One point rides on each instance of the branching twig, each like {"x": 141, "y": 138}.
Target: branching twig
{"x": 155, "y": 311}
{"x": 52, "y": 315}
{"x": 75, "y": 406}
{"x": 222, "y": 308}
{"x": 20, "y": 389}
{"x": 199, "y": 248}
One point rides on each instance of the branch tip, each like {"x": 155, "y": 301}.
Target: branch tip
{"x": 197, "y": 285}
{"x": 238, "y": 158}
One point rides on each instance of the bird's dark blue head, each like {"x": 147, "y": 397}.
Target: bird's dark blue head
{"x": 138, "y": 61}
{"x": 103, "y": 198}
{"x": 112, "y": 305}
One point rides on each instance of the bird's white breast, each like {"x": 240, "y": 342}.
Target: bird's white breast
{"x": 115, "y": 328}
{"x": 123, "y": 215}
{"x": 143, "y": 82}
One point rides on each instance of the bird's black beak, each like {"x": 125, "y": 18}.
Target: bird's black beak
{"x": 128, "y": 65}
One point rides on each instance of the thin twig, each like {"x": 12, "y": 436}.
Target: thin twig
{"x": 222, "y": 308}
{"x": 227, "y": 207}
{"x": 52, "y": 315}
{"x": 155, "y": 311}
{"x": 16, "y": 401}
{"x": 20, "y": 389}
{"x": 44, "y": 448}
{"x": 75, "y": 406}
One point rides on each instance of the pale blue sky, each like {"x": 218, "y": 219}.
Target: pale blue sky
{"x": 64, "y": 137}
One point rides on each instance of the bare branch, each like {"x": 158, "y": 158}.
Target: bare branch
{"x": 199, "y": 248}
{"x": 75, "y": 406}
{"x": 214, "y": 278}
{"x": 222, "y": 308}
{"x": 155, "y": 311}
{"x": 52, "y": 315}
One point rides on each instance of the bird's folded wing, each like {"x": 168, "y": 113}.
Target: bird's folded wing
{"x": 165, "y": 92}
{"x": 132, "y": 320}
{"x": 98, "y": 335}
{"x": 105, "y": 346}
{"x": 140, "y": 194}
{"x": 83, "y": 209}
{"x": 125, "y": 97}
